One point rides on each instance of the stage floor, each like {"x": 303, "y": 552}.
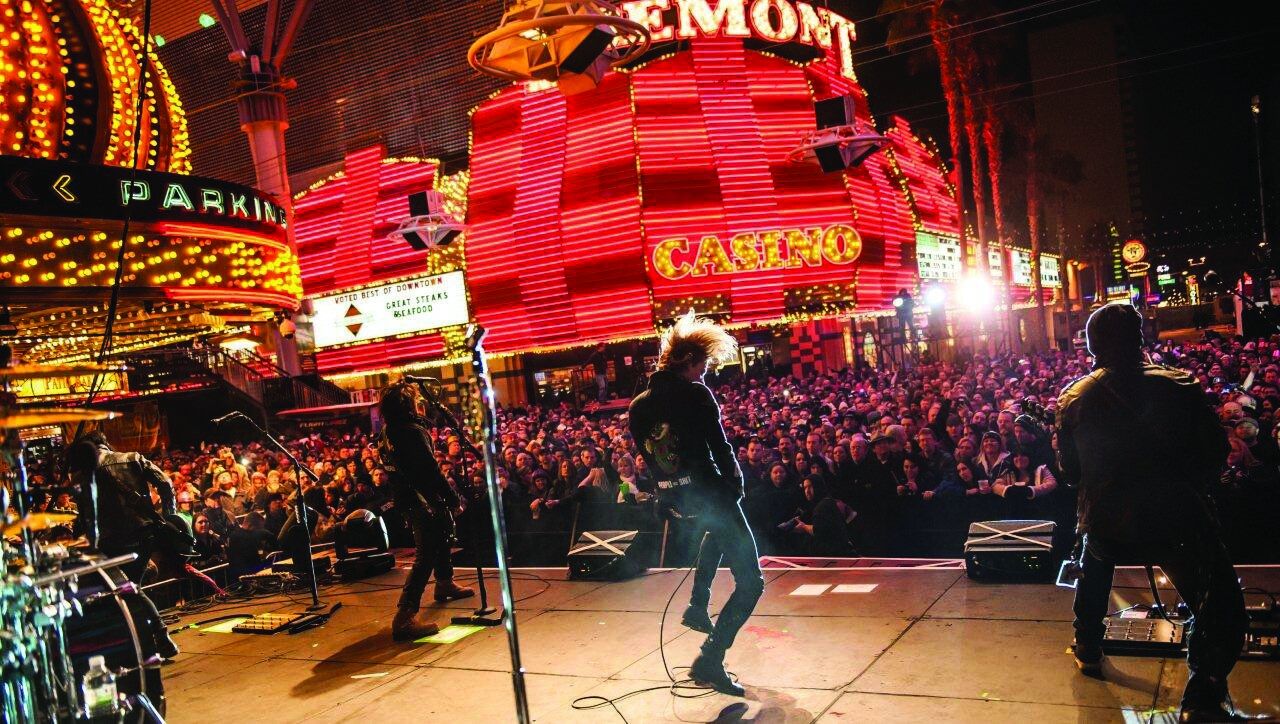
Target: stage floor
{"x": 902, "y": 645}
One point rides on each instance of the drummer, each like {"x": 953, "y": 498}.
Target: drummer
{"x": 127, "y": 522}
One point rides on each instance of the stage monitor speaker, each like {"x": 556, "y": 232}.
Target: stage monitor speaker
{"x": 1010, "y": 550}
{"x": 833, "y": 112}
{"x": 610, "y": 555}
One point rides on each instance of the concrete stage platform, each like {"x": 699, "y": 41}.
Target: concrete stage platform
{"x": 896, "y": 644}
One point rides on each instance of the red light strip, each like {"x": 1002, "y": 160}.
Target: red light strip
{"x": 221, "y": 233}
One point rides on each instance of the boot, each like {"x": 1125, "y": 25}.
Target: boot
{"x": 1219, "y": 712}
{"x": 708, "y": 670}
{"x": 406, "y": 626}
{"x": 696, "y": 618}
{"x": 1088, "y": 658}
{"x": 448, "y": 591}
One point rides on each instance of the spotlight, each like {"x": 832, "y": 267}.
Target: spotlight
{"x": 935, "y": 296}
{"x": 976, "y": 294}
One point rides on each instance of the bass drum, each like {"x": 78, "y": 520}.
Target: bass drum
{"x": 121, "y": 624}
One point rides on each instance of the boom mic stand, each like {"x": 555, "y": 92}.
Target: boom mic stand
{"x": 484, "y": 614}
{"x": 300, "y": 507}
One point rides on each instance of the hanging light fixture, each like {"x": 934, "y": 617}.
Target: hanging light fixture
{"x": 568, "y": 42}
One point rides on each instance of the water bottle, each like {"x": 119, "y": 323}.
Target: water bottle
{"x": 99, "y": 690}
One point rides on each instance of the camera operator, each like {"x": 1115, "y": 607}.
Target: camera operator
{"x": 425, "y": 499}
{"x": 1143, "y": 444}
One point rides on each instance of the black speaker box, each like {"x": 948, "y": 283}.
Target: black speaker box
{"x": 1010, "y": 549}
{"x": 610, "y": 555}
{"x": 581, "y": 57}
{"x": 363, "y": 566}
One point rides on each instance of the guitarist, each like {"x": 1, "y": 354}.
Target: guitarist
{"x": 425, "y": 499}
{"x": 126, "y": 520}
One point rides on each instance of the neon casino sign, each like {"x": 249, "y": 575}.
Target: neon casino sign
{"x": 677, "y": 258}
{"x": 772, "y": 21}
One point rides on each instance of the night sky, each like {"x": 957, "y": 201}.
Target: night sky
{"x": 1189, "y": 71}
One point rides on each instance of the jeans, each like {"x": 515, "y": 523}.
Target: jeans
{"x": 602, "y": 388}
{"x": 1201, "y": 571}
{"x": 727, "y": 538}
{"x": 431, "y": 553}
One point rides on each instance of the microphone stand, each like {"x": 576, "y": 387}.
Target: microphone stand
{"x": 300, "y": 508}
{"x": 484, "y": 614}
{"x": 489, "y": 415}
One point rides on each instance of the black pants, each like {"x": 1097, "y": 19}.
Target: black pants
{"x": 1201, "y": 571}
{"x": 142, "y": 543}
{"x": 431, "y": 553}
{"x": 726, "y": 537}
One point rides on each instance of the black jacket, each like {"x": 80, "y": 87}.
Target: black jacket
{"x": 1142, "y": 443}
{"x": 124, "y": 481}
{"x": 410, "y": 463}
{"x": 676, "y": 426}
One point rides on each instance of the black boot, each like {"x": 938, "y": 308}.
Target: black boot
{"x": 1219, "y": 712}
{"x": 1088, "y": 658}
{"x": 708, "y": 670}
{"x": 696, "y": 618}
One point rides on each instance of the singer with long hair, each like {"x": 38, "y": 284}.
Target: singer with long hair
{"x": 676, "y": 426}
{"x": 425, "y": 499}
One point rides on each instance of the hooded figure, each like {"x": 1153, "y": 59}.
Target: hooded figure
{"x": 1141, "y": 442}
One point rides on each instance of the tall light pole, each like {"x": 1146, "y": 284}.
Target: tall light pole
{"x": 1255, "y": 107}
{"x": 263, "y": 112}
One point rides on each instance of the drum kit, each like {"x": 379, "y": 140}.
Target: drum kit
{"x": 60, "y": 603}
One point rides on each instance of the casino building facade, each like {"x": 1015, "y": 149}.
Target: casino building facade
{"x": 601, "y": 215}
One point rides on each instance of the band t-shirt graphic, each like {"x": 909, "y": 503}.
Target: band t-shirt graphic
{"x": 663, "y": 445}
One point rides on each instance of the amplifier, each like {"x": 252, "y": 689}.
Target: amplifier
{"x": 1010, "y": 549}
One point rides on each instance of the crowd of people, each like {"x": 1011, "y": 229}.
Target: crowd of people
{"x": 859, "y": 462}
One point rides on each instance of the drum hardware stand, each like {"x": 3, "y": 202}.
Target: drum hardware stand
{"x": 300, "y": 507}
{"x": 484, "y": 614}
{"x": 489, "y": 438}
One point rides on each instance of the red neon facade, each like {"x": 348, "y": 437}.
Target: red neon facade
{"x": 341, "y": 227}
{"x": 571, "y": 197}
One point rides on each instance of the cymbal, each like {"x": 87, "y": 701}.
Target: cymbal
{"x": 39, "y": 521}
{"x": 79, "y": 369}
{"x": 37, "y": 416}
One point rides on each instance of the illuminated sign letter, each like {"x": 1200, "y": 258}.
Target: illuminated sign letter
{"x": 175, "y": 195}
{"x": 746, "y": 256}
{"x": 844, "y": 34}
{"x": 711, "y": 253}
{"x": 841, "y": 244}
{"x": 729, "y": 16}
{"x": 211, "y": 199}
{"x": 815, "y": 25}
{"x": 134, "y": 191}
{"x": 649, "y": 14}
{"x": 772, "y": 258}
{"x": 662, "y": 258}
{"x": 240, "y": 205}
{"x": 804, "y": 248}
{"x": 763, "y": 20}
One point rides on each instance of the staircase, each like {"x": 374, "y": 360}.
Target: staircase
{"x": 256, "y": 380}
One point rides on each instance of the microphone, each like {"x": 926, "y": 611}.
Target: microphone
{"x": 226, "y": 417}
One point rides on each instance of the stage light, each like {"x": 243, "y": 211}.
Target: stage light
{"x": 898, "y": 302}
{"x": 976, "y": 294}
{"x": 935, "y": 296}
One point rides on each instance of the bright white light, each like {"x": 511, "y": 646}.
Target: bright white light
{"x": 897, "y": 302}
{"x": 976, "y": 294}
{"x": 935, "y": 296}
{"x": 239, "y": 344}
